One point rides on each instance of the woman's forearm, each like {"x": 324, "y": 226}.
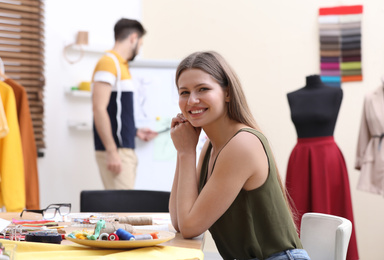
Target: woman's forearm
{"x": 173, "y": 198}
{"x": 187, "y": 190}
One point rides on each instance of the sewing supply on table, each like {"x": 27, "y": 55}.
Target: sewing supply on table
{"x": 104, "y": 236}
{"x": 136, "y": 221}
{"x": 143, "y": 237}
{"x": 55, "y": 227}
{"x": 112, "y": 227}
{"x": 44, "y": 237}
{"x": 124, "y": 235}
{"x": 113, "y": 237}
{"x": 80, "y": 234}
{"x": 99, "y": 226}
{"x": 153, "y": 234}
{"x": 22, "y": 222}
{"x": 72, "y": 235}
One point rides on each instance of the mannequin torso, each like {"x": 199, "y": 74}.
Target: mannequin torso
{"x": 314, "y": 108}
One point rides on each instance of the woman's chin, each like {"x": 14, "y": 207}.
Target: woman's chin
{"x": 195, "y": 124}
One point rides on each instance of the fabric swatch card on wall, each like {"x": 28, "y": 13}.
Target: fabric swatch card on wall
{"x": 340, "y": 44}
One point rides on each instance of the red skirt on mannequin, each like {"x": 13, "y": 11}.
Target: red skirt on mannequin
{"x": 317, "y": 181}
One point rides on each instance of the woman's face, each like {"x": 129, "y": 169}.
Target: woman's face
{"x": 201, "y": 99}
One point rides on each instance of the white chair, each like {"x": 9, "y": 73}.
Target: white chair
{"x": 325, "y": 237}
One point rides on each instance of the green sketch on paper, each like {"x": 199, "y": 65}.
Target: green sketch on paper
{"x": 164, "y": 149}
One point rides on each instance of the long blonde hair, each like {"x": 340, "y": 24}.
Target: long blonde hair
{"x": 237, "y": 109}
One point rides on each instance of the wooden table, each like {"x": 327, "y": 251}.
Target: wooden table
{"x": 178, "y": 241}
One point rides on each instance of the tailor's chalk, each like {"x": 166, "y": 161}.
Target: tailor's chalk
{"x": 104, "y": 236}
{"x": 124, "y": 235}
{"x": 113, "y": 237}
{"x": 143, "y": 237}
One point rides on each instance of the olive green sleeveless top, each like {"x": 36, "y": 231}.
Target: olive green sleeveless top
{"x": 258, "y": 223}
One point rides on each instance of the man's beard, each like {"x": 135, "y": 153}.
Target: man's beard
{"x": 134, "y": 53}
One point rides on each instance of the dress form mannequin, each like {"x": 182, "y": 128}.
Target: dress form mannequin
{"x": 317, "y": 178}
{"x": 315, "y": 107}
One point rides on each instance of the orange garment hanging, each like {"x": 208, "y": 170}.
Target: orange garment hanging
{"x": 3, "y": 121}
{"x": 28, "y": 144}
{"x": 12, "y": 186}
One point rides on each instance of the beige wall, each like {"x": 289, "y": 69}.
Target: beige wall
{"x": 273, "y": 45}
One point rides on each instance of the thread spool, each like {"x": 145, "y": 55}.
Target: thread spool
{"x": 136, "y": 221}
{"x": 124, "y": 235}
{"x": 143, "y": 237}
{"x": 113, "y": 237}
{"x": 104, "y": 236}
{"x": 112, "y": 227}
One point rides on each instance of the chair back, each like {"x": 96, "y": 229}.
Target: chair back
{"x": 325, "y": 236}
{"x": 124, "y": 201}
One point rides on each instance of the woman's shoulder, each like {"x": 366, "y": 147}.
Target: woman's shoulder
{"x": 252, "y": 131}
{"x": 252, "y": 135}
{"x": 247, "y": 142}
{"x": 246, "y": 153}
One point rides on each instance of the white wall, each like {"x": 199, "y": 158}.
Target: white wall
{"x": 273, "y": 45}
{"x": 68, "y": 165}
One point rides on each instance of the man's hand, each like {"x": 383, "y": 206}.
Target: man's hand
{"x": 146, "y": 134}
{"x": 114, "y": 161}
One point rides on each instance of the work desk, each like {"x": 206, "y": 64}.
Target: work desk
{"x": 178, "y": 241}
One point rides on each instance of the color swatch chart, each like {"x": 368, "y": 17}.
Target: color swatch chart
{"x": 340, "y": 44}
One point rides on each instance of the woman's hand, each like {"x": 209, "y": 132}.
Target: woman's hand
{"x": 184, "y": 136}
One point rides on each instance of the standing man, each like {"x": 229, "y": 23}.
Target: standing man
{"x": 112, "y": 100}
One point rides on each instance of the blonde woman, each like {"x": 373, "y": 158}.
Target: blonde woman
{"x": 235, "y": 191}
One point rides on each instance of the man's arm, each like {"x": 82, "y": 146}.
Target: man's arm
{"x": 100, "y": 99}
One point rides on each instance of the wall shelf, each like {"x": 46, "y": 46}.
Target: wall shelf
{"x": 137, "y": 63}
{"x": 78, "y": 93}
{"x": 89, "y": 48}
{"x": 80, "y": 125}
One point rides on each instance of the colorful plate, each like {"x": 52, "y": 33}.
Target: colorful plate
{"x": 164, "y": 236}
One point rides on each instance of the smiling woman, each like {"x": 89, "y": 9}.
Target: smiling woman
{"x": 236, "y": 180}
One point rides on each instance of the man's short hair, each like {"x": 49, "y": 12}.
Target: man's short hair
{"x": 124, "y": 27}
